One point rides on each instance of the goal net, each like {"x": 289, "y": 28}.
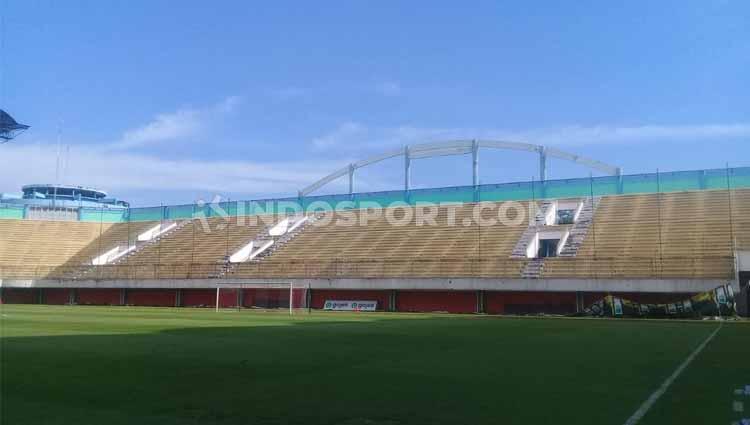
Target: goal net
{"x": 265, "y": 296}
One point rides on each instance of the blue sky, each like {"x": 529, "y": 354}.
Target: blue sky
{"x": 174, "y": 101}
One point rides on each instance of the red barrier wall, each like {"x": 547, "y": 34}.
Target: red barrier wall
{"x": 99, "y": 296}
{"x": 151, "y": 297}
{"x": 56, "y": 296}
{"x": 199, "y": 297}
{"x": 319, "y": 297}
{"x": 272, "y": 298}
{"x": 19, "y": 296}
{"x": 529, "y": 302}
{"x": 426, "y": 301}
{"x": 227, "y": 298}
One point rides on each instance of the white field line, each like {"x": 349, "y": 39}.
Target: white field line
{"x": 641, "y": 412}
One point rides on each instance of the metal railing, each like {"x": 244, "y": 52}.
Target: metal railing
{"x": 721, "y": 267}
{"x": 726, "y": 178}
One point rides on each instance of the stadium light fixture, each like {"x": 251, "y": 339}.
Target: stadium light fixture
{"x": 9, "y": 128}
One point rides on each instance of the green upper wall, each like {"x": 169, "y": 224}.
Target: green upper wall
{"x": 734, "y": 178}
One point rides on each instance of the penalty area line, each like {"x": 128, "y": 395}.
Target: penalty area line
{"x": 651, "y": 400}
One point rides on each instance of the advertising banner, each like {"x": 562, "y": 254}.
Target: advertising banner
{"x": 716, "y": 302}
{"x": 339, "y": 305}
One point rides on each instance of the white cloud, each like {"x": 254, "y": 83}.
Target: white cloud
{"x": 115, "y": 171}
{"x": 355, "y": 136}
{"x": 346, "y": 133}
{"x": 183, "y": 123}
{"x": 594, "y": 135}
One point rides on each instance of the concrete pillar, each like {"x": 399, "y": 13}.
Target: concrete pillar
{"x": 123, "y": 296}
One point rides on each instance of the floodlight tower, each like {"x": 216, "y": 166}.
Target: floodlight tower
{"x": 9, "y": 128}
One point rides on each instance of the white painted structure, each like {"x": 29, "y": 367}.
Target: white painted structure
{"x": 112, "y": 255}
{"x": 264, "y": 241}
{"x": 533, "y": 246}
{"x": 119, "y": 251}
{"x": 743, "y": 261}
{"x": 250, "y": 251}
{"x": 156, "y": 231}
{"x": 460, "y": 147}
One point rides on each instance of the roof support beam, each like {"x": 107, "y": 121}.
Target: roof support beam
{"x": 474, "y": 163}
{"x": 351, "y": 179}
{"x": 407, "y": 168}
{"x": 460, "y": 147}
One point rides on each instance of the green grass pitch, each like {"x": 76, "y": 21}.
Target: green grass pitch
{"x": 110, "y": 366}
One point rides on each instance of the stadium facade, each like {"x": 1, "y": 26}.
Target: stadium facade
{"x": 551, "y": 246}
{"x": 57, "y": 202}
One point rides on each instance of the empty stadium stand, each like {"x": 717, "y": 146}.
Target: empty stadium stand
{"x": 677, "y": 237}
{"x": 685, "y": 234}
{"x": 31, "y": 248}
{"x": 336, "y": 248}
{"x": 198, "y": 249}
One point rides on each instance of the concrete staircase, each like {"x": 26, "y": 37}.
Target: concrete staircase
{"x": 263, "y": 238}
{"x": 580, "y": 228}
{"x": 519, "y": 251}
{"x": 533, "y": 269}
{"x": 139, "y": 246}
{"x": 282, "y": 240}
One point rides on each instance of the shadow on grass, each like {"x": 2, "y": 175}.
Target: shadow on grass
{"x": 382, "y": 370}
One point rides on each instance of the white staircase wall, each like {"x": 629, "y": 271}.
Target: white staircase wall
{"x": 260, "y": 250}
{"x": 156, "y": 231}
{"x": 298, "y": 222}
{"x": 242, "y": 255}
{"x": 112, "y": 255}
{"x": 280, "y": 228}
{"x": 550, "y": 215}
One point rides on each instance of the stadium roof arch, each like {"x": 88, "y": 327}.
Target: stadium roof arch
{"x": 461, "y": 147}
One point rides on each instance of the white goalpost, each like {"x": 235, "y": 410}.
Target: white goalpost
{"x": 291, "y": 298}
{"x": 303, "y": 301}
{"x": 268, "y": 296}
{"x": 217, "y": 298}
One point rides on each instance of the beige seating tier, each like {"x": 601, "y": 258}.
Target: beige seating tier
{"x": 670, "y": 235}
{"x": 197, "y": 249}
{"x": 33, "y": 248}
{"x": 339, "y": 246}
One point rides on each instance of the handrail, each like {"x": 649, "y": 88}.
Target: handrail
{"x": 579, "y": 267}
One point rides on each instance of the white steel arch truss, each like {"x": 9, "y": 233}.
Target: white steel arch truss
{"x": 460, "y": 147}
